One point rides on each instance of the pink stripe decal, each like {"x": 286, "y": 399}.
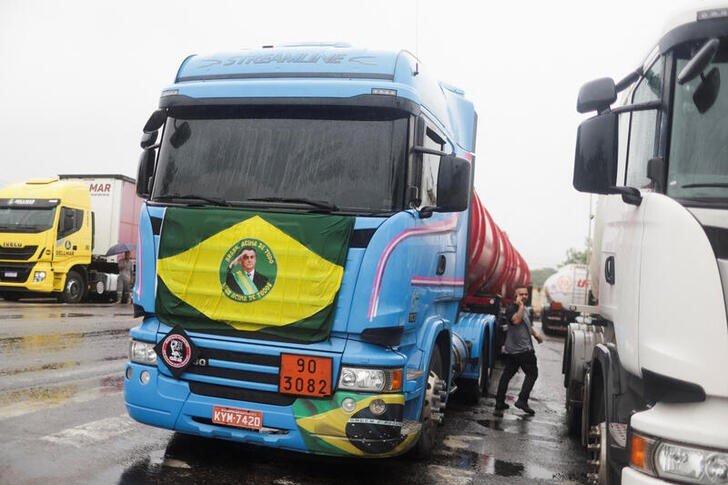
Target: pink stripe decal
{"x": 139, "y": 267}
{"x": 431, "y": 281}
{"x": 448, "y": 225}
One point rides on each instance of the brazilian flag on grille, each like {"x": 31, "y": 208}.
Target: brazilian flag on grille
{"x": 266, "y": 275}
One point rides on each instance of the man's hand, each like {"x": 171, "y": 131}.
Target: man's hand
{"x": 539, "y": 337}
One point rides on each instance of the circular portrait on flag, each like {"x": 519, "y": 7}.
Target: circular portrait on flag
{"x": 248, "y": 271}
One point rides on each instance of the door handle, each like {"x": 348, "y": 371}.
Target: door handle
{"x": 441, "y": 264}
{"x": 609, "y": 270}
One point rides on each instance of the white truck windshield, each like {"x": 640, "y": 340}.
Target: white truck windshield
{"x": 698, "y": 163}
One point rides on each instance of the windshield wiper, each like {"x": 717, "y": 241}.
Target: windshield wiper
{"x": 321, "y": 204}
{"x": 693, "y": 186}
{"x": 211, "y": 200}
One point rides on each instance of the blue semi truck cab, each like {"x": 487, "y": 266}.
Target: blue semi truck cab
{"x": 303, "y": 253}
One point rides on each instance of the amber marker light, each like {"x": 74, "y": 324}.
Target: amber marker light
{"x": 397, "y": 380}
{"x": 638, "y": 451}
{"x": 640, "y": 454}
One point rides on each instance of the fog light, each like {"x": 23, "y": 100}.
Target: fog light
{"x": 144, "y": 377}
{"x": 39, "y": 276}
{"x": 348, "y": 405}
{"x": 129, "y": 373}
{"x": 377, "y": 407}
{"x": 716, "y": 468}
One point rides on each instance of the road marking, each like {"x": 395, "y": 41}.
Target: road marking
{"x": 450, "y": 475}
{"x": 94, "y": 432}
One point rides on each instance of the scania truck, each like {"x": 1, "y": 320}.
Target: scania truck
{"x": 55, "y": 233}
{"x": 304, "y": 265}
{"x": 645, "y": 376}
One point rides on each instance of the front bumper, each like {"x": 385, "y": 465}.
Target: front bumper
{"x": 702, "y": 425}
{"x": 319, "y": 426}
{"x": 18, "y": 277}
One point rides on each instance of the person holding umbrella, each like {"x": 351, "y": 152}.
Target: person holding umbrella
{"x": 123, "y": 286}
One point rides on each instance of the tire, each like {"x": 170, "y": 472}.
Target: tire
{"x": 73, "y": 291}
{"x": 11, "y": 297}
{"x": 427, "y": 441}
{"x": 573, "y": 417}
{"x": 603, "y": 471}
{"x": 471, "y": 390}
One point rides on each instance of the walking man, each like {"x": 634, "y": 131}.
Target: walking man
{"x": 519, "y": 353}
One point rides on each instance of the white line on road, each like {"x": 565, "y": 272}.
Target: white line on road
{"x": 94, "y": 432}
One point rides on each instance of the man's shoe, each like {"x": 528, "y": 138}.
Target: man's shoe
{"x": 501, "y": 406}
{"x": 524, "y": 407}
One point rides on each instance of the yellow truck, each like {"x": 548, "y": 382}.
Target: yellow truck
{"x": 55, "y": 233}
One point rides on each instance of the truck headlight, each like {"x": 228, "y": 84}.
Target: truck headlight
{"x": 142, "y": 352}
{"x": 370, "y": 379}
{"x": 678, "y": 462}
{"x": 39, "y": 276}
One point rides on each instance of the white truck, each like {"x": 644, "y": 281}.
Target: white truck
{"x": 645, "y": 378}
{"x": 561, "y": 295}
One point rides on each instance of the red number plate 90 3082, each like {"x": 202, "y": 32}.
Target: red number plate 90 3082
{"x": 305, "y": 375}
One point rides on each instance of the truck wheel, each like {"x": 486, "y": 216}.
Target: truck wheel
{"x": 433, "y": 407}
{"x": 472, "y": 390}
{"x": 573, "y": 419}
{"x": 73, "y": 291}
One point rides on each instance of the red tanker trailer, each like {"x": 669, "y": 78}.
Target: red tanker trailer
{"x": 495, "y": 267}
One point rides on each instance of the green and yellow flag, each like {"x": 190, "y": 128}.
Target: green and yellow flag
{"x": 267, "y": 274}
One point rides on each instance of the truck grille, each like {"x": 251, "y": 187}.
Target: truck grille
{"x": 15, "y": 272}
{"x": 19, "y": 254}
{"x": 239, "y": 390}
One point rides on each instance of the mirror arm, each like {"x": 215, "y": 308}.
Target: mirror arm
{"x": 630, "y": 195}
{"x": 430, "y": 151}
{"x": 427, "y": 211}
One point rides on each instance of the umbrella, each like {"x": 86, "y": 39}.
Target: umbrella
{"x": 120, "y": 248}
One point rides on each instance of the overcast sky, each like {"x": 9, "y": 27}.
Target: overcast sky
{"x": 79, "y": 78}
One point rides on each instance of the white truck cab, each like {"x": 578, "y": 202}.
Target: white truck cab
{"x": 646, "y": 383}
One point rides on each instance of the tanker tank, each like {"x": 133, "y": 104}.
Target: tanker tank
{"x": 495, "y": 267}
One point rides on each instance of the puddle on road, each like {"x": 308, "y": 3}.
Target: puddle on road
{"x": 51, "y": 366}
{"x": 491, "y": 424}
{"x": 24, "y": 401}
{"x": 55, "y": 341}
{"x": 17, "y": 316}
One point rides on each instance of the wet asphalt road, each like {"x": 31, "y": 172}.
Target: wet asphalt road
{"x": 62, "y": 420}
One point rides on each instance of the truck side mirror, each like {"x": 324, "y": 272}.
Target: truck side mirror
{"x": 155, "y": 121}
{"x": 454, "y": 184}
{"x": 596, "y": 95}
{"x": 145, "y": 173}
{"x": 595, "y": 161}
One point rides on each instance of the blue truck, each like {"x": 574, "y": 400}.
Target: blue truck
{"x": 302, "y": 268}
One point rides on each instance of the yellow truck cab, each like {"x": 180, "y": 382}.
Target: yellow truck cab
{"x": 59, "y": 237}
{"x": 45, "y": 239}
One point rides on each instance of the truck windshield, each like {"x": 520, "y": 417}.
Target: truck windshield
{"x": 698, "y": 164}
{"x": 334, "y": 158}
{"x": 15, "y": 219}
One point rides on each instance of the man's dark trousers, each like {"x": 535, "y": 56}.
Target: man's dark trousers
{"x": 527, "y": 362}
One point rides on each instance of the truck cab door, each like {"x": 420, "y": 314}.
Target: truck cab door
{"x": 640, "y": 140}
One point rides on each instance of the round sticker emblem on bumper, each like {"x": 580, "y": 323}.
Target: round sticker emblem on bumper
{"x": 176, "y": 351}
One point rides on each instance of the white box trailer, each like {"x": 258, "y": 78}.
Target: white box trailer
{"x": 115, "y": 206}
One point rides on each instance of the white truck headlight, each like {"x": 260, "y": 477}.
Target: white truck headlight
{"x": 39, "y": 276}
{"x": 370, "y": 379}
{"x": 678, "y": 462}
{"x": 142, "y": 352}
